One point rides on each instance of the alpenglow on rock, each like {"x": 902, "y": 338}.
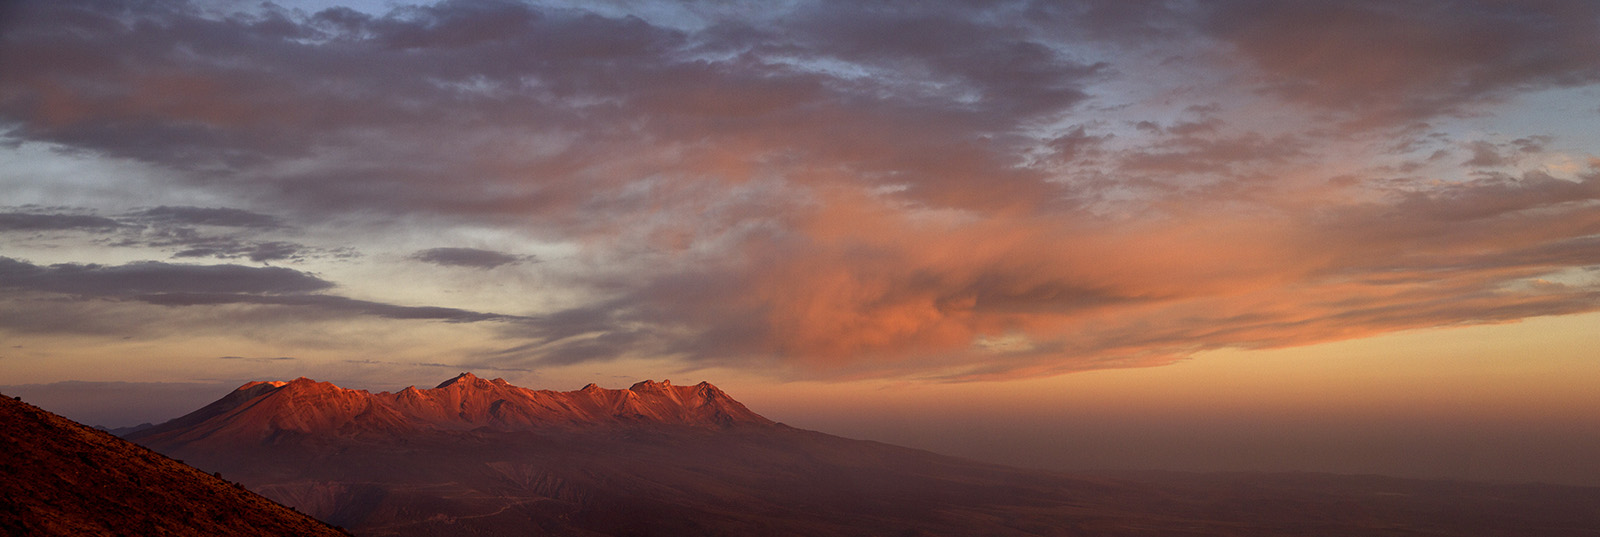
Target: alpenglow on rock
{"x": 269, "y": 412}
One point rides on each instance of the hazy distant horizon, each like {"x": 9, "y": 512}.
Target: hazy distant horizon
{"x": 1083, "y": 433}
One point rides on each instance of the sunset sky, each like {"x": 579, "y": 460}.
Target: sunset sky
{"x": 1351, "y": 236}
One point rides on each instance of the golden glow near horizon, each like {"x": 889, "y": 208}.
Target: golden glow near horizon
{"x": 1431, "y": 371}
{"x": 1426, "y": 403}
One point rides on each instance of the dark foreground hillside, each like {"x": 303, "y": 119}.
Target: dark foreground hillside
{"x": 58, "y": 477}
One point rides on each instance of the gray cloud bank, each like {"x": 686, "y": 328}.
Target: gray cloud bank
{"x": 176, "y": 285}
{"x": 466, "y": 257}
{"x": 155, "y": 277}
{"x": 215, "y": 232}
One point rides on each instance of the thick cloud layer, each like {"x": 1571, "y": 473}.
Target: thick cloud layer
{"x": 465, "y": 257}
{"x": 187, "y": 232}
{"x": 155, "y": 277}
{"x": 34, "y": 289}
{"x": 1402, "y": 61}
{"x": 19, "y": 222}
{"x": 826, "y": 188}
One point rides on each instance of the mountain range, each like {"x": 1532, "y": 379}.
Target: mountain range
{"x": 482, "y": 457}
{"x": 268, "y": 413}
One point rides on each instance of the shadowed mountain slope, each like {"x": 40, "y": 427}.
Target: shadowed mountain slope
{"x": 482, "y": 457}
{"x": 58, "y": 477}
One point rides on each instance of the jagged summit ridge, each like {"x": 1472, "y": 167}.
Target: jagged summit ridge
{"x": 270, "y": 411}
{"x": 469, "y": 379}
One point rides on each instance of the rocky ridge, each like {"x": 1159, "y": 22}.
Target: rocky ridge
{"x": 260, "y": 413}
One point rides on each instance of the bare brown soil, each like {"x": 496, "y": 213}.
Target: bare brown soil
{"x": 58, "y": 477}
